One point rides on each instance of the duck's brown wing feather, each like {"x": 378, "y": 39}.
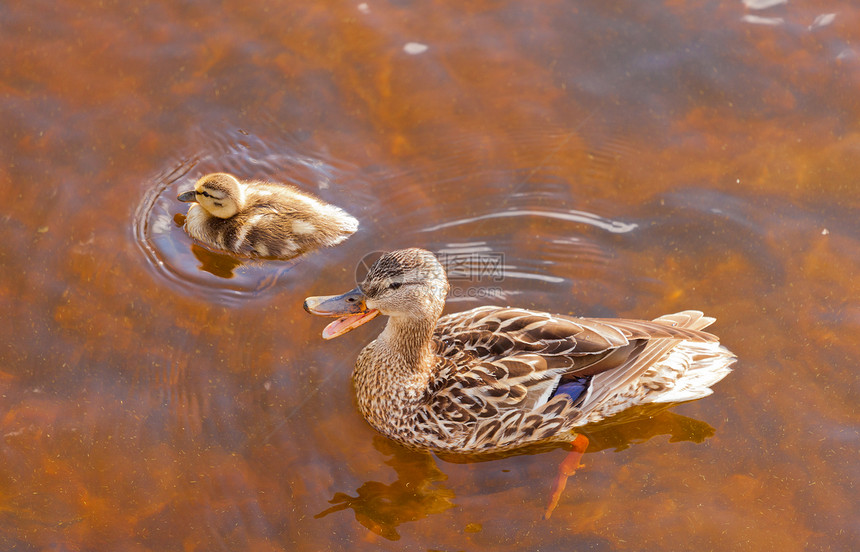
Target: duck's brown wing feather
{"x": 493, "y": 360}
{"x": 492, "y": 332}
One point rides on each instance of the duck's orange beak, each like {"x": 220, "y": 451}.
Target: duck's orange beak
{"x": 350, "y": 307}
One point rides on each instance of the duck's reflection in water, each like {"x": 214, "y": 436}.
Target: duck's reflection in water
{"x": 416, "y": 494}
{"x": 418, "y": 491}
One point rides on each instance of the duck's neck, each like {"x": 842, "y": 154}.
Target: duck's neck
{"x": 392, "y": 374}
{"x": 409, "y": 341}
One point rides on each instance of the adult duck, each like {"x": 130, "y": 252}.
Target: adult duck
{"x": 495, "y": 378}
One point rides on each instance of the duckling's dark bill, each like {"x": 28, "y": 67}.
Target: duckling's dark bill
{"x": 187, "y": 197}
{"x": 350, "y": 304}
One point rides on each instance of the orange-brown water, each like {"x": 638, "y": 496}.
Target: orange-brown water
{"x": 627, "y": 159}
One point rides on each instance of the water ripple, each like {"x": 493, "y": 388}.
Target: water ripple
{"x": 208, "y": 273}
{"x": 615, "y": 227}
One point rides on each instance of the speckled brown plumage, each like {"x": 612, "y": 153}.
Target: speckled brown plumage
{"x": 485, "y": 380}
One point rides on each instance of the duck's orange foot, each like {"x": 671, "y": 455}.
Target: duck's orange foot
{"x": 567, "y": 468}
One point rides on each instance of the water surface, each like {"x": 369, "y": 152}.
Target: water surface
{"x": 630, "y": 159}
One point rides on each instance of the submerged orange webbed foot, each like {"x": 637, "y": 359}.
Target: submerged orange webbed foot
{"x": 567, "y": 468}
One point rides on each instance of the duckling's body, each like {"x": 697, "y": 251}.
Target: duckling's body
{"x": 492, "y": 379}
{"x": 262, "y": 219}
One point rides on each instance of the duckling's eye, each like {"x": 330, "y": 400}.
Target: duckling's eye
{"x": 204, "y": 194}
{"x": 395, "y": 285}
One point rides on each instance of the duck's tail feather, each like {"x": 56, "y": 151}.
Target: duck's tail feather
{"x": 667, "y": 371}
{"x": 701, "y": 365}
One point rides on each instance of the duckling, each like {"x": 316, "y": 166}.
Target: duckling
{"x": 261, "y": 219}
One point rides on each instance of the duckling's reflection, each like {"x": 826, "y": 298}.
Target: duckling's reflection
{"x": 217, "y": 264}
{"x": 417, "y": 492}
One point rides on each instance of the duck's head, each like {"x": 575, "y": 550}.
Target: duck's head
{"x": 408, "y": 284}
{"x": 220, "y": 194}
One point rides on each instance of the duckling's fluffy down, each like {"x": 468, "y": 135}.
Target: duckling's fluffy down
{"x": 273, "y": 221}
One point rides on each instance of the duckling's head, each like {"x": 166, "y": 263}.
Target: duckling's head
{"x": 220, "y": 194}
{"x": 408, "y": 284}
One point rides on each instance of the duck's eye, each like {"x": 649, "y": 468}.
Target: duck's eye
{"x": 204, "y": 194}
{"x": 395, "y": 285}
